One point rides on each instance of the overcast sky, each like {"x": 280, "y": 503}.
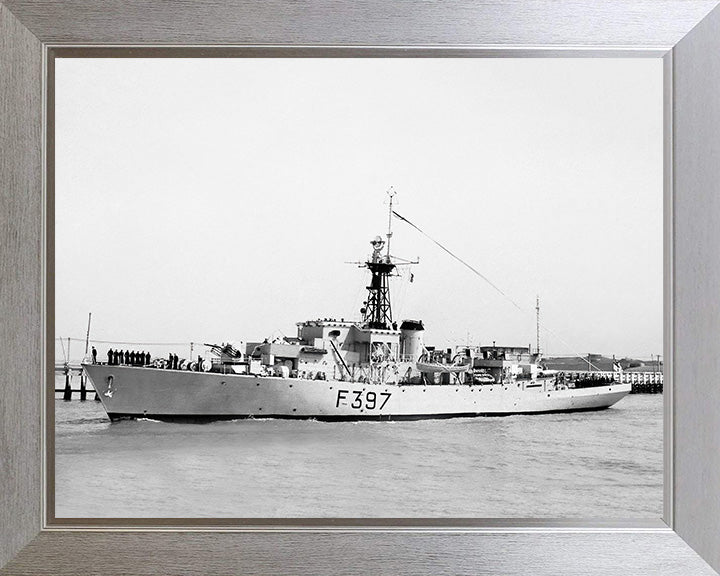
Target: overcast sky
{"x": 215, "y": 200}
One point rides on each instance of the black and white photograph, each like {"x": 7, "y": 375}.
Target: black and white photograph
{"x": 358, "y": 288}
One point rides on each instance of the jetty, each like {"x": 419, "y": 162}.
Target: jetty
{"x": 85, "y": 388}
{"x": 645, "y": 376}
{"x": 642, "y": 382}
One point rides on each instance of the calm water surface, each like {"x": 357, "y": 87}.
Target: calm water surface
{"x": 594, "y": 465}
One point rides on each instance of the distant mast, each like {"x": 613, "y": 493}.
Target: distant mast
{"x": 87, "y": 336}
{"x": 537, "y": 324}
{"x": 377, "y": 312}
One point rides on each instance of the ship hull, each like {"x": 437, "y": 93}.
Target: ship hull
{"x": 174, "y": 395}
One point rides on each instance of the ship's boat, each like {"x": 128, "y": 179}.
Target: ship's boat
{"x": 368, "y": 369}
{"x": 483, "y": 377}
{"x": 434, "y": 367}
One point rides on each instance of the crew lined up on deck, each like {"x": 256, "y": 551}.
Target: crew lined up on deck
{"x": 172, "y": 362}
{"x": 129, "y": 357}
{"x": 133, "y": 358}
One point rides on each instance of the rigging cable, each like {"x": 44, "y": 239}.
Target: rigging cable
{"x": 129, "y": 343}
{"x": 493, "y": 285}
{"x": 65, "y": 356}
{"x": 461, "y": 261}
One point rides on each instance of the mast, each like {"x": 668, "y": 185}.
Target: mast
{"x": 391, "y": 193}
{"x": 377, "y": 311}
{"x": 537, "y": 324}
{"x": 87, "y": 336}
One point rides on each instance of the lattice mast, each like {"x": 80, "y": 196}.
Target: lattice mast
{"x": 377, "y": 312}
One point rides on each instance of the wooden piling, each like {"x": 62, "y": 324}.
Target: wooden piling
{"x": 67, "y": 394}
{"x": 83, "y": 388}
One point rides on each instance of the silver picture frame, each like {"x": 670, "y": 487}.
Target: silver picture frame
{"x": 685, "y": 34}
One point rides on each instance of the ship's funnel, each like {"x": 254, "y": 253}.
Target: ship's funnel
{"x": 411, "y": 340}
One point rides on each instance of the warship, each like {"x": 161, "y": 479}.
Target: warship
{"x": 334, "y": 370}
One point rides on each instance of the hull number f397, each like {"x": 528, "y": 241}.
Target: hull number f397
{"x": 359, "y": 399}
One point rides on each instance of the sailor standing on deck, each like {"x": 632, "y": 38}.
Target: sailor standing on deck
{"x": 110, "y": 357}
{"x": 94, "y": 355}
